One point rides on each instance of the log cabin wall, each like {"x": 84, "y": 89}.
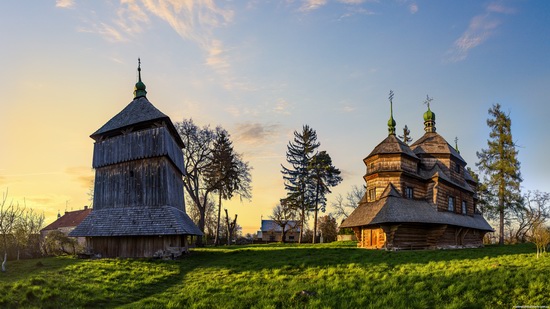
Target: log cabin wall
{"x": 444, "y": 191}
{"x": 150, "y": 182}
{"x": 135, "y": 246}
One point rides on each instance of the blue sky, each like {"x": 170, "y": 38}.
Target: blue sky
{"x": 262, "y": 69}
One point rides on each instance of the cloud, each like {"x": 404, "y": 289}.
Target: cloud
{"x": 64, "y": 4}
{"x": 282, "y": 107}
{"x": 83, "y": 175}
{"x": 498, "y": 8}
{"x": 413, "y": 8}
{"x": 256, "y": 133}
{"x": 480, "y": 29}
{"x": 193, "y": 20}
{"x": 351, "y": 1}
{"x": 310, "y": 5}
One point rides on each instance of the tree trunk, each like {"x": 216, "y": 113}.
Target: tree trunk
{"x": 228, "y": 227}
{"x": 302, "y": 219}
{"x": 4, "y": 263}
{"x": 315, "y": 214}
{"x": 501, "y": 227}
{"x": 217, "y": 239}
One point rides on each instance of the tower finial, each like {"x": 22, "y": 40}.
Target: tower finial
{"x": 456, "y": 144}
{"x": 429, "y": 117}
{"x": 391, "y": 121}
{"x": 406, "y": 138}
{"x": 139, "y": 89}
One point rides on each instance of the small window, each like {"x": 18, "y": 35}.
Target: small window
{"x": 291, "y": 237}
{"x": 464, "y": 208}
{"x": 409, "y": 192}
{"x": 372, "y": 194}
{"x": 451, "y": 203}
{"x": 457, "y": 168}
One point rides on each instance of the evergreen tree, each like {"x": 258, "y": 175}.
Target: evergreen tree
{"x": 500, "y": 164}
{"x": 298, "y": 184}
{"x": 324, "y": 176}
{"x": 222, "y": 173}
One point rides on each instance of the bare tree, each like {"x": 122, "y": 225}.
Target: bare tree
{"x": 344, "y": 207}
{"x": 230, "y": 226}
{"x": 534, "y": 210}
{"x": 26, "y": 229}
{"x": 283, "y": 215}
{"x": 541, "y": 237}
{"x": 8, "y": 218}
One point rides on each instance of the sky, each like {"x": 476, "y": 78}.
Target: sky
{"x": 262, "y": 70}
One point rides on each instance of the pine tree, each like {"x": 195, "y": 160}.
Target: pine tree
{"x": 222, "y": 174}
{"x": 298, "y": 184}
{"x": 324, "y": 176}
{"x": 500, "y": 164}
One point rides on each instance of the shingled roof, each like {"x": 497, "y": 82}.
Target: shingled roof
{"x": 433, "y": 143}
{"x": 69, "y": 219}
{"x": 392, "y": 145}
{"x": 392, "y": 208}
{"x": 139, "y": 111}
{"x": 136, "y": 221}
{"x": 272, "y": 226}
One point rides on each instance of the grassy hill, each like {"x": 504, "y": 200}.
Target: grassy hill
{"x": 334, "y": 275}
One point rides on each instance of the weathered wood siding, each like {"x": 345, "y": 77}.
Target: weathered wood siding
{"x": 149, "y": 143}
{"x": 410, "y": 236}
{"x": 135, "y": 246}
{"x": 150, "y": 182}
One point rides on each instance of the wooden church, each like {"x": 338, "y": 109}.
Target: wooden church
{"x": 419, "y": 196}
{"x": 139, "y": 208}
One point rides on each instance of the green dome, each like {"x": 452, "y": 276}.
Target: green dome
{"x": 391, "y": 122}
{"x": 429, "y": 115}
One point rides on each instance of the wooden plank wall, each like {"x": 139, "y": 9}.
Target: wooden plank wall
{"x": 134, "y": 246}
{"x": 152, "y": 142}
{"x": 151, "y": 182}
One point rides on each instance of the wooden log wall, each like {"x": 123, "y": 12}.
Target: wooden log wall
{"x": 442, "y": 200}
{"x": 148, "y": 143}
{"x": 150, "y": 182}
{"x": 134, "y": 246}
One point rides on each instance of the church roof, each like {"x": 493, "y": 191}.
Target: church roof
{"x": 139, "y": 111}
{"x": 136, "y": 221}
{"x": 433, "y": 143}
{"x": 392, "y": 145}
{"x": 392, "y": 208}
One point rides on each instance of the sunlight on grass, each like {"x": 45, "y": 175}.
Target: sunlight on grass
{"x": 287, "y": 276}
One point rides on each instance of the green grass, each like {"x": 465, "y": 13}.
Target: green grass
{"x": 272, "y": 276}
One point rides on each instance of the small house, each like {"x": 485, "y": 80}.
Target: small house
{"x": 67, "y": 222}
{"x": 272, "y": 231}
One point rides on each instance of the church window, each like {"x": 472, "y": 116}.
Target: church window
{"x": 457, "y": 168}
{"x": 464, "y": 208}
{"x": 451, "y": 203}
{"x": 372, "y": 194}
{"x": 409, "y": 192}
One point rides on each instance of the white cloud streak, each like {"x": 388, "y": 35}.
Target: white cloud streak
{"x": 64, "y": 4}
{"x": 480, "y": 29}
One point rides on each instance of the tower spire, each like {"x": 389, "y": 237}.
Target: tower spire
{"x": 429, "y": 117}
{"x": 456, "y": 144}
{"x": 391, "y": 121}
{"x": 139, "y": 89}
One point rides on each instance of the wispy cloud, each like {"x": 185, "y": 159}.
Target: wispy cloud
{"x": 480, "y": 29}
{"x": 256, "y": 133}
{"x": 413, "y": 8}
{"x": 310, "y": 5}
{"x": 282, "y": 107}
{"x": 65, "y": 4}
{"x": 193, "y": 20}
{"x": 83, "y": 175}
